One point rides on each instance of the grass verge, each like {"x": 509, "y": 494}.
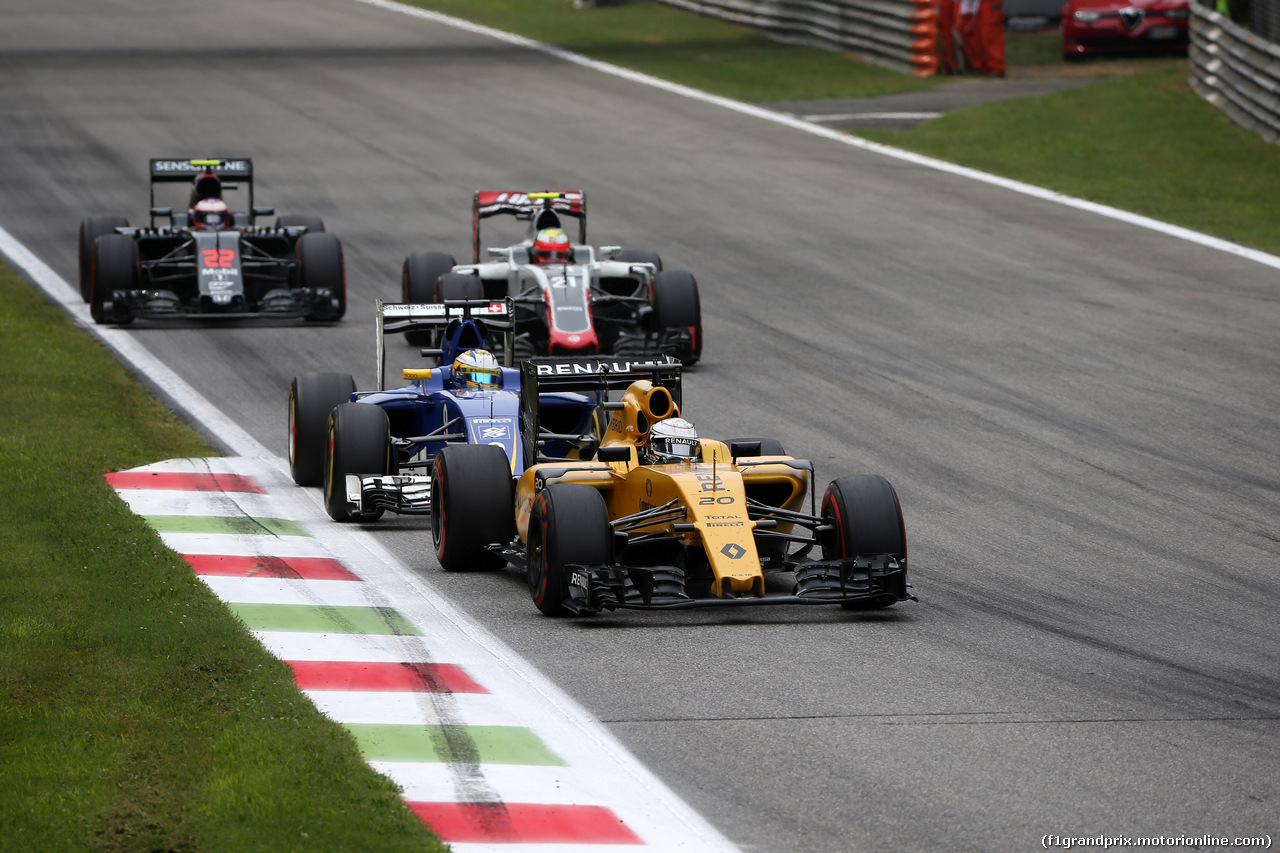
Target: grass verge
{"x": 136, "y": 713}
{"x": 1138, "y": 139}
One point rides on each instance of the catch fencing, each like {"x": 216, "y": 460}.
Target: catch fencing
{"x": 1236, "y": 71}
{"x": 897, "y": 34}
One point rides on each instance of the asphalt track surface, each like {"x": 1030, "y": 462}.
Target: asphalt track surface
{"x": 1079, "y": 415}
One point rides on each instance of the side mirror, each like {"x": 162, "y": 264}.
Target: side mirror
{"x": 744, "y": 448}
{"x": 162, "y": 211}
{"x": 497, "y": 253}
{"x": 614, "y": 453}
{"x": 264, "y": 211}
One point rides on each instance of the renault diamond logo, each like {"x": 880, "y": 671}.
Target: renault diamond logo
{"x": 733, "y": 551}
{"x": 1132, "y": 16}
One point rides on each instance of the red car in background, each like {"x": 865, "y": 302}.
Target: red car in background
{"x": 1124, "y": 26}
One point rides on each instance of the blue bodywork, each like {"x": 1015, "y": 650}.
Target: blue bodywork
{"x": 428, "y": 413}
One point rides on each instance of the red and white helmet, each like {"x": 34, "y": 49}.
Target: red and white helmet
{"x": 210, "y": 214}
{"x": 551, "y": 246}
{"x": 672, "y": 440}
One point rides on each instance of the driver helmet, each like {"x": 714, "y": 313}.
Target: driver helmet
{"x": 210, "y": 214}
{"x": 477, "y": 368}
{"x": 672, "y": 440}
{"x": 551, "y": 245}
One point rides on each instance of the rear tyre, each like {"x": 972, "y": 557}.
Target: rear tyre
{"x": 321, "y": 267}
{"x": 418, "y": 285}
{"x": 313, "y": 223}
{"x": 359, "y": 443}
{"x": 472, "y": 505}
{"x": 115, "y": 268}
{"x": 456, "y": 285}
{"x": 91, "y": 228}
{"x": 569, "y": 526}
{"x": 639, "y": 256}
{"x": 312, "y": 397}
{"x": 676, "y": 307}
{"x": 867, "y": 520}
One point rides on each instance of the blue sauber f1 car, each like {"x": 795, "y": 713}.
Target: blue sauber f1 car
{"x": 372, "y": 451}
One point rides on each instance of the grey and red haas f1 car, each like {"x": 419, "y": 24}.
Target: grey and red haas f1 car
{"x": 206, "y": 261}
{"x": 628, "y": 525}
{"x": 570, "y": 298}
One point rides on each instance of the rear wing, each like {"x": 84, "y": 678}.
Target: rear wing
{"x": 593, "y": 375}
{"x": 208, "y": 177}
{"x": 536, "y": 207}
{"x": 481, "y": 315}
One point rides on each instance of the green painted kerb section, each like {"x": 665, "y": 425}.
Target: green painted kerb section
{"x": 238, "y": 524}
{"x": 453, "y": 744}
{"x": 318, "y": 619}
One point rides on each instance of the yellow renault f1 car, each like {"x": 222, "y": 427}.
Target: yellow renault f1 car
{"x": 609, "y": 529}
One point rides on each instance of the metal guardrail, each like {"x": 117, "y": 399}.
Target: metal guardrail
{"x": 897, "y": 34}
{"x": 1236, "y": 71}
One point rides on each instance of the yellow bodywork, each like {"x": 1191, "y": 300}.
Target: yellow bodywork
{"x": 711, "y": 490}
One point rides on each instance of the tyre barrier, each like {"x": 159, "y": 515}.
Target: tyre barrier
{"x": 897, "y": 34}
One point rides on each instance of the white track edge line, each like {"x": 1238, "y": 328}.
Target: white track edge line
{"x": 1041, "y": 193}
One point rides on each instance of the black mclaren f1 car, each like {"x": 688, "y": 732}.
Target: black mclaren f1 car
{"x": 208, "y": 261}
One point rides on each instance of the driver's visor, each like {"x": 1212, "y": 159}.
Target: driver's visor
{"x": 686, "y": 448}
{"x": 479, "y": 376}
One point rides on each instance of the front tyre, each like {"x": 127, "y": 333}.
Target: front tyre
{"x": 312, "y": 396}
{"x": 867, "y": 520}
{"x": 321, "y": 267}
{"x": 115, "y": 269}
{"x": 472, "y": 505}
{"x": 569, "y": 526}
{"x": 91, "y": 228}
{"x": 359, "y": 443}
{"x": 677, "y": 310}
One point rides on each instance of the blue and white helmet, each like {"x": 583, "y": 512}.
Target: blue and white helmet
{"x": 477, "y": 368}
{"x": 673, "y": 440}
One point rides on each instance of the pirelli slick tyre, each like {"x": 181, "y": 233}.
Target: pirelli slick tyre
{"x": 91, "y": 228}
{"x": 569, "y": 526}
{"x": 115, "y": 268}
{"x": 676, "y": 306}
{"x": 456, "y": 285}
{"x": 472, "y": 505}
{"x": 418, "y": 285}
{"x": 322, "y": 267}
{"x": 312, "y": 396}
{"x": 314, "y": 224}
{"x": 639, "y": 256}
{"x": 359, "y": 443}
{"x": 867, "y": 520}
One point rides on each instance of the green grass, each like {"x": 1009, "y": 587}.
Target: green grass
{"x": 1144, "y": 143}
{"x": 136, "y": 713}
{"x": 1138, "y": 138}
